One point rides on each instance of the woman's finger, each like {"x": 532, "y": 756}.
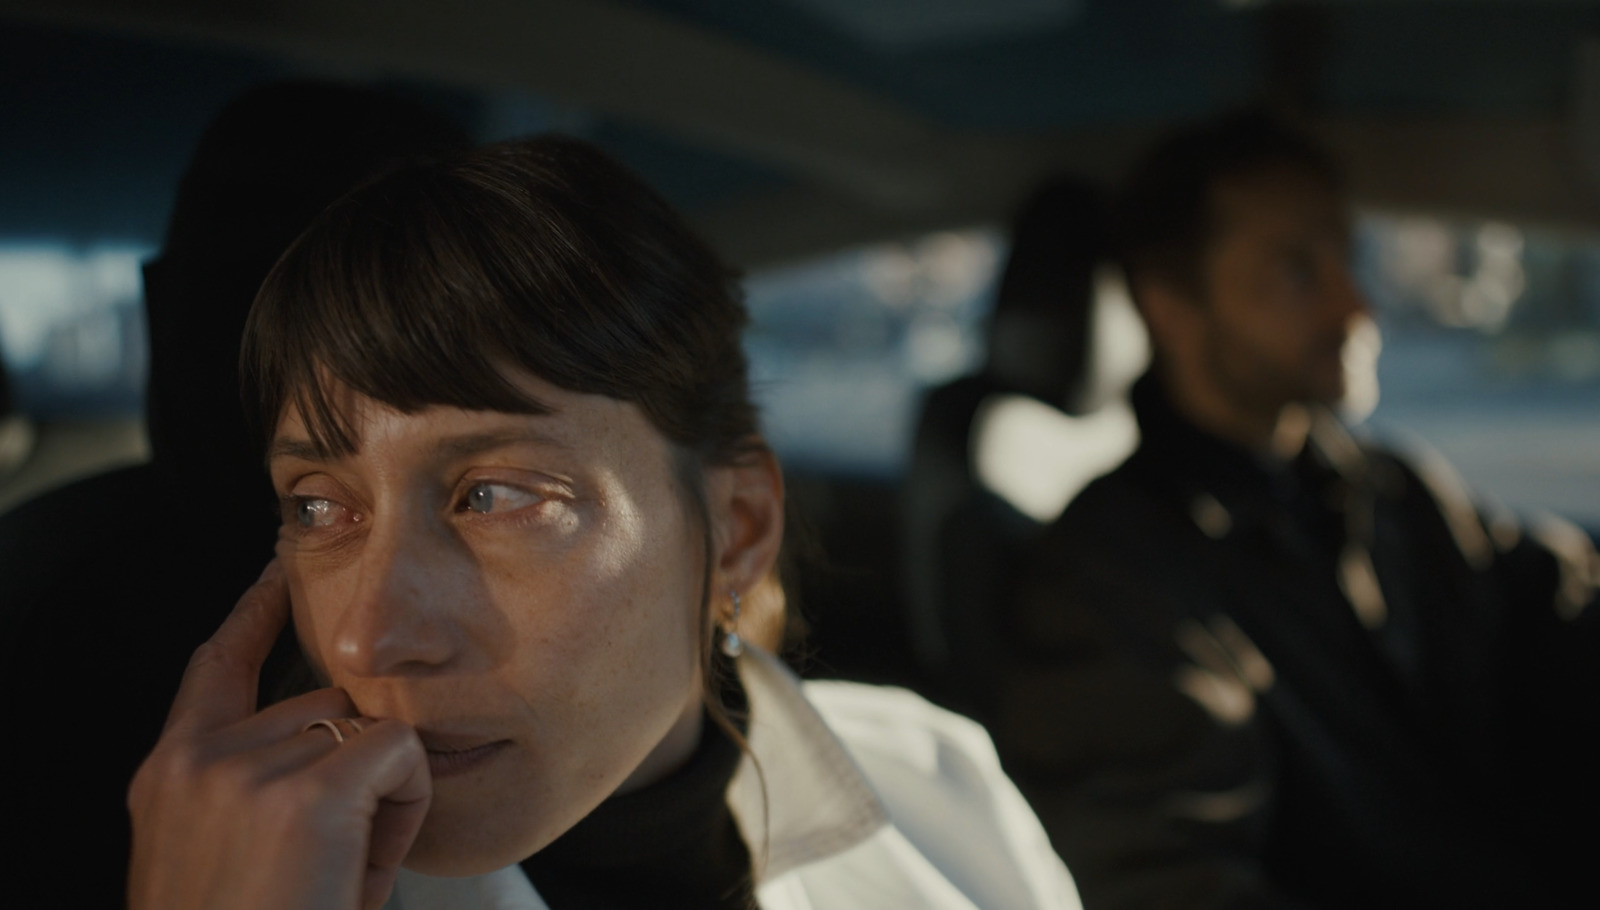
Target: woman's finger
{"x": 385, "y": 763}
{"x": 286, "y": 718}
{"x": 387, "y": 768}
{"x": 219, "y": 687}
{"x": 309, "y": 743}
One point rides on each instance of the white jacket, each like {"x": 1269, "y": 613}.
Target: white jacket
{"x": 875, "y": 798}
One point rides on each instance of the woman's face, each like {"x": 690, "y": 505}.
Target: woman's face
{"x": 524, "y": 590}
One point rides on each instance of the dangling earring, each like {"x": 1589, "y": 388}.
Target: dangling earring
{"x": 732, "y": 645}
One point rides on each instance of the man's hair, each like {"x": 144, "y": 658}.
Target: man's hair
{"x": 1164, "y": 217}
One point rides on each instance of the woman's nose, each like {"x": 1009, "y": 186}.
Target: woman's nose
{"x": 400, "y": 620}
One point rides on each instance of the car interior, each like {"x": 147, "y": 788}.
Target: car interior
{"x": 867, "y": 165}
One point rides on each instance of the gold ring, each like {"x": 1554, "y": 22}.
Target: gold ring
{"x": 331, "y": 725}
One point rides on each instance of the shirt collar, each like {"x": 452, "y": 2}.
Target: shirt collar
{"x": 798, "y": 797}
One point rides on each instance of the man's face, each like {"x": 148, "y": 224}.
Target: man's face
{"x": 1280, "y": 302}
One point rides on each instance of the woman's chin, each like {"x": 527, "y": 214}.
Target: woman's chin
{"x": 484, "y": 821}
{"x": 460, "y": 854}
{"x": 461, "y": 838}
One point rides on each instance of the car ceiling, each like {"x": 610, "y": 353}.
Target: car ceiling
{"x": 789, "y": 127}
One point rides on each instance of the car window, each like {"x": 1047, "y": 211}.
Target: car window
{"x": 1491, "y": 346}
{"x": 1490, "y": 352}
{"x": 72, "y": 330}
{"x": 842, "y": 347}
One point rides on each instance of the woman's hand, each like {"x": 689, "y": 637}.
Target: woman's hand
{"x": 238, "y": 809}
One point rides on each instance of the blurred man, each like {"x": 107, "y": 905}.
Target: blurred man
{"x": 107, "y": 585}
{"x": 1265, "y": 664}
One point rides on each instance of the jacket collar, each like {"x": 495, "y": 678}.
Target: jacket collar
{"x": 798, "y": 796}
{"x": 1224, "y": 486}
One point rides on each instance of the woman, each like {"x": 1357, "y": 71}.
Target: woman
{"x": 524, "y": 502}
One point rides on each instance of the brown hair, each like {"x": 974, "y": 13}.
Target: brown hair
{"x": 542, "y": 254}
{"x": 1163, "y": 216}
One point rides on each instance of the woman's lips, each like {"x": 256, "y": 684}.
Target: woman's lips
{"x": 451, "y": 756}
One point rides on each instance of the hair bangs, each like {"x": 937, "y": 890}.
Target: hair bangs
{"x": 391, "y": 308}
{"x": 436, "y": 285}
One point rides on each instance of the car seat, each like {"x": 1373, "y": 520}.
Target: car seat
{"x": 1044, "y": 392}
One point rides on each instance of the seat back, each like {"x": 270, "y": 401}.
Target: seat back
{"x": 960, "y": 542}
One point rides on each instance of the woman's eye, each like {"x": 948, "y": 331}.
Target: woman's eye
{"x": 485, "y": 498}
{"x": 314, "y": 513}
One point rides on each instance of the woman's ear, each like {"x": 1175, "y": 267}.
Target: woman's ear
{"x": 745, "y": 505}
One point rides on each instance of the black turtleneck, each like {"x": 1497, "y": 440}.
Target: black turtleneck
{"x": 673, "y": 844}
